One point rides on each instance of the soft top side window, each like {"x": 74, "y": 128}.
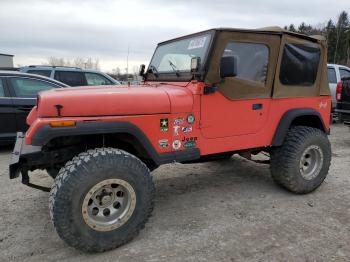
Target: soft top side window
{"x": 252, "y": 60}
{"x": 299, "y": 65}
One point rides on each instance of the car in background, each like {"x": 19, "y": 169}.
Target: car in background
{"x": 18, "y": 92}
{"x": 343, "y": 100}
{"x": 335, "y": 75}
{"x": 72, "y": 76}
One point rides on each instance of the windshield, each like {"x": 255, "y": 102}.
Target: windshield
{"x": 176, "y": 56}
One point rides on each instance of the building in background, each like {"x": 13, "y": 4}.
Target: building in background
{"x": 6, "y": 61}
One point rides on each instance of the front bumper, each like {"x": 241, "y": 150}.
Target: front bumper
{"x": 19, "y": 156}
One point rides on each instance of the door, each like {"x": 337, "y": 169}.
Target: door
{"x": 221, "y": 117}
{"x": 241, "y": 105}
{"x": 8, "y": 126}
{"x": 24, "y": 91}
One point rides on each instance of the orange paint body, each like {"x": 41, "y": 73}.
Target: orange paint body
{"x": 221, "y": 125}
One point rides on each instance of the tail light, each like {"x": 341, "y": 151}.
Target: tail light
{"x": 339, "y": 91}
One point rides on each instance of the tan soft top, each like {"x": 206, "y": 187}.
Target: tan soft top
{"x": 274, "y": 30}
{"x": 275, "y": 38}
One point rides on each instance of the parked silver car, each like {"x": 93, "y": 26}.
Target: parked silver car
{"x": 335, "y": 74}
{"x": 72, "y": 76}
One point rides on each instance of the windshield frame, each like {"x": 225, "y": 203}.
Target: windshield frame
{"x": 181, "y": 76}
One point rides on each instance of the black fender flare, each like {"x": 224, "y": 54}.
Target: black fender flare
{"x": 46, "y": 133}
{"x": 287, "y": 119}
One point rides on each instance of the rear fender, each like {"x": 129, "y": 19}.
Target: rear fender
{"x": 298, "y": 116}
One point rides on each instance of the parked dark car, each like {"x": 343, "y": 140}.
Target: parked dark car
{"x": 343, "y": 101}
{"x": 18, "y": 92}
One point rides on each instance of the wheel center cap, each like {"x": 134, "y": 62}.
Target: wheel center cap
{"x": 105, "y": 200}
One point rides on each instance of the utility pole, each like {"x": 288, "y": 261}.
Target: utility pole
{"x": 127, "y": 66}
{"x": 348, "y": 49}
{"x": 127, "y": 62}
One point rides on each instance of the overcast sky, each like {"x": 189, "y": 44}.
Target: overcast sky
{"x": 33, "y": 30}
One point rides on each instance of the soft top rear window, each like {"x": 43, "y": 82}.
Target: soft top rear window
{"x": 299, "y": 65}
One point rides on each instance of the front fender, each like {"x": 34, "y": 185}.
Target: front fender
{"x": 46, "y": 133}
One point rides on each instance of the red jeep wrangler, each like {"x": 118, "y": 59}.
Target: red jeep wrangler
{"x": 204, "y": 97}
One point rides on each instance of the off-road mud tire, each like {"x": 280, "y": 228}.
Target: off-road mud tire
{"x": 285, "y": 159}
{"x": 78, "y": 176}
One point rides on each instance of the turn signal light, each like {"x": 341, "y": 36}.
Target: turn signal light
{"x": 62, "y": 123}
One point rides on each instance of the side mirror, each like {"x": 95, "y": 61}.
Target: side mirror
{"x": 142, "y": 70}
{"x": 228, "y": 66}
{"x": 195, "y": 64}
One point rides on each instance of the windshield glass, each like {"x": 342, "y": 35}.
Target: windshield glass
{"x": 176, "y": 56}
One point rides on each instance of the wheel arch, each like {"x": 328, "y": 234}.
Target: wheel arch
{"x": 123, "y": 134}
{"x": 297, "y": 117}
{"x": 119, "y": 134}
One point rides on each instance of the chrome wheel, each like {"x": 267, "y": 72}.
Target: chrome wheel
{"x": 109, "y": 204}
{"x": 311, "y": 162}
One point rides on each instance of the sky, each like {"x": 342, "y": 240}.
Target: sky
{"x": 34, "y": 30}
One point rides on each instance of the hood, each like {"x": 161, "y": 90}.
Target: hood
{"x": 112, "y": 100}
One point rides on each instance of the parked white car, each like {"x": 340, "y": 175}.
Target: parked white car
{"x": 335, "y": 74}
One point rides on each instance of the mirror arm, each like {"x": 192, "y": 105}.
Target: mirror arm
{"x": 210, "y": 90}
{"x": 213, "y": 88}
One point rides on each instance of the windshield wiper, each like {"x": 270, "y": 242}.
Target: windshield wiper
{"x": 153, "y": 70}
{"x": 174, "y": 68}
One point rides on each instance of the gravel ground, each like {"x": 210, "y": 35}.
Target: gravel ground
{"x": 220, "y": 211}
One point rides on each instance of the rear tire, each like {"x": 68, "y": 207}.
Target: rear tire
{"x": 301, "y": 164}
{"x": 101, "y": 199}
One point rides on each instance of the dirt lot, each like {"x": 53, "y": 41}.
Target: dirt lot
{"x": 220, "y": 211}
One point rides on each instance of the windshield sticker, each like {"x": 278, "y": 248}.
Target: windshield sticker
{"x": 197, "y": 43}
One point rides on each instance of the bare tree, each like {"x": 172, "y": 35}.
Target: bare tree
{"x": 57, "y": 61}
{"x": 86, "y": 63}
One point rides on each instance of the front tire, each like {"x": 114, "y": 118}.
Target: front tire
{"x": 301, "y": 164}
{"x": 101, "y": 199}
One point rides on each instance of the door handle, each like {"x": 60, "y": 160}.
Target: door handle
{"x": 257, "y": 106}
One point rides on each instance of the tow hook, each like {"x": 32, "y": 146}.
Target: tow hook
{"x": 26, "y": 181}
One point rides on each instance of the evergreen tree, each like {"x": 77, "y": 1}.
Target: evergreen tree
{"x": 337, "y": 34}
{"x": 342, "y": 41}
{"x": 330, "y": 34}
{"x": 292, "y": 28}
